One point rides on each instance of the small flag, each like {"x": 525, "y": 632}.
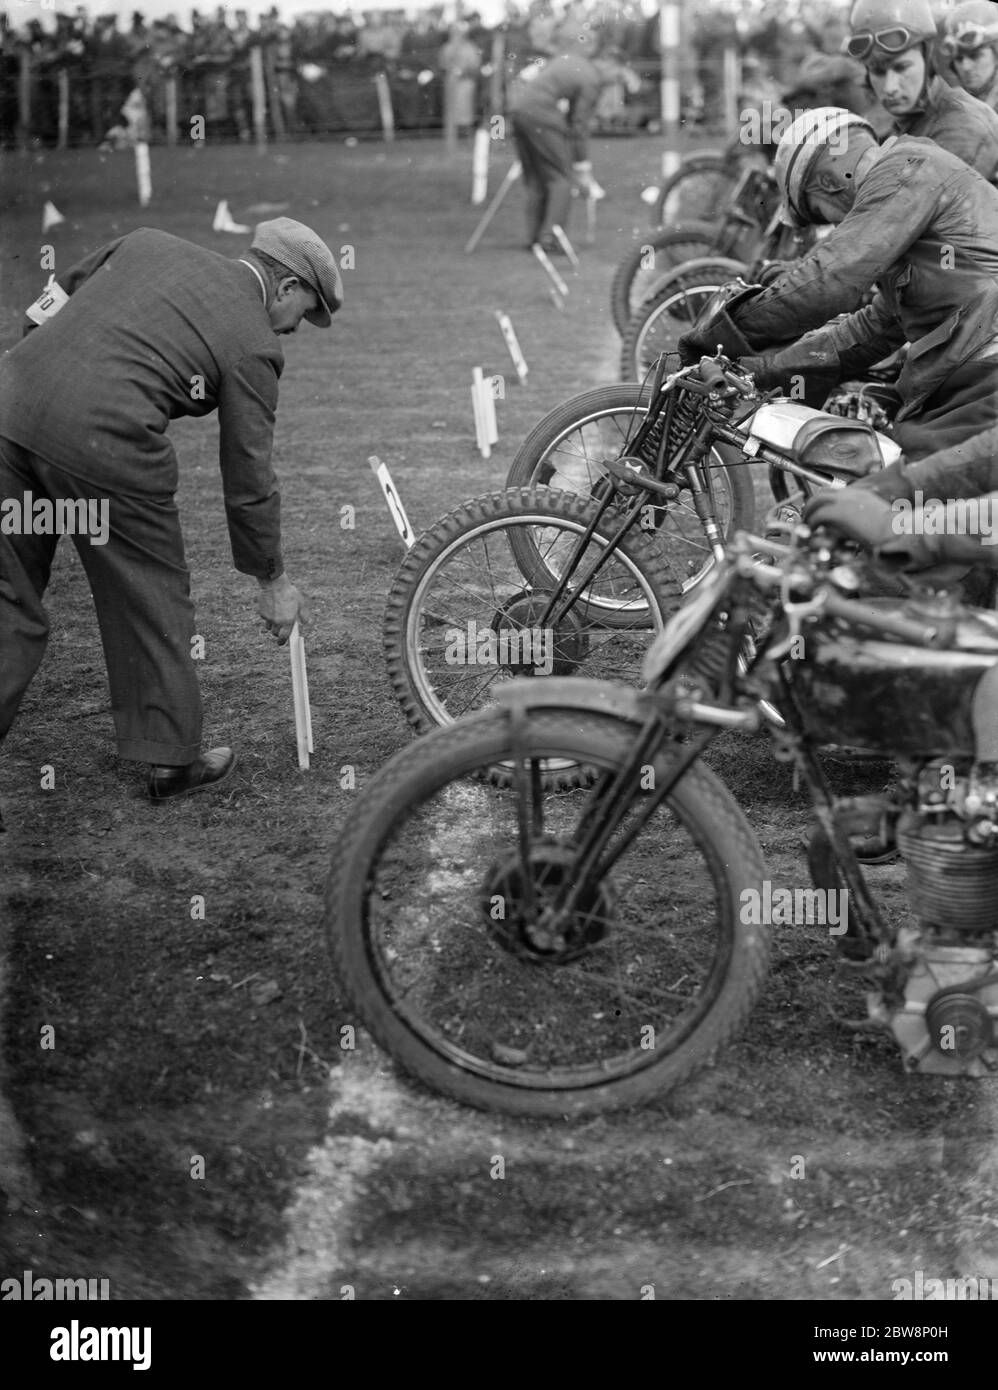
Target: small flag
{"x": 51, "y": 217}
{"x": 224, "y": 221}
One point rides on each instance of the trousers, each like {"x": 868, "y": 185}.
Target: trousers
{"x": 141, "y": 592}
{"x": 545, "y": 155}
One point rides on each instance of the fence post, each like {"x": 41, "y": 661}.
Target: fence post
{"x": 496, "y": 85}
{"x": 670, "y": 29}
{"x": 24, "y": 100}
{"x": 274, "y": 92}
{"x": 171, "y": 108}
{"x": 259, "y": 97}
{"x": 62, "y": 83}
{"x": 732, "y": 83}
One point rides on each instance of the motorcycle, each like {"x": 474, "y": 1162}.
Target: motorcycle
{"x": 535, "y": 581}
{"x": 565, "y": 954}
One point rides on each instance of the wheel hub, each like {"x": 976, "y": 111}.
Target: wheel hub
{"x": 549, "y": 934}
{"x": 527, "y": 644}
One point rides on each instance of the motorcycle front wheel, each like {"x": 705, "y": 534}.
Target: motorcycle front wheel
{"x": 470, "y": 606}
{"x": 645, "y": 264}
{"x": 663, "y": 318}
{"x": 569, "y": 449}
{"x": 447, "y": 921}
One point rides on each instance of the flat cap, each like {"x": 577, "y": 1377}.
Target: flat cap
{"x": 305, "y": 254}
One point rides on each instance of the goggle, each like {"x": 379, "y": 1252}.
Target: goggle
{"x": 969, "y": 39}
{"x": 893, "y": 40}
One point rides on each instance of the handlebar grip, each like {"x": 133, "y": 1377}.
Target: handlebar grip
{"x": 907, "y": 629}
{"x": 711, "y": 374}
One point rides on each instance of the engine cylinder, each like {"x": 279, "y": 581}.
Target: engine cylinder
{"x": 951, "y": 885}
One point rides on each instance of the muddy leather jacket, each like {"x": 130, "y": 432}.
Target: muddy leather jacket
{"x": 924, "y": 229}
{"x": 959, "y": 123}
{"x": 965, "y": 470}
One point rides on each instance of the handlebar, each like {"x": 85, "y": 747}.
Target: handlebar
{"x": 906, "y": 629}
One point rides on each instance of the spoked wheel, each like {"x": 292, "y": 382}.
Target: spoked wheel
{"x": 670, "y": 312}
{"x": 569, "y": 450}
{"x": 697, "y": 190}
{"x": 702, "y": 186}
{"x": 489, "y": 966}
{"x": 464, "y": 616}
{"x": 648, "y": 261}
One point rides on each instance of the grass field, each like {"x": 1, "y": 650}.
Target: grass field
{"x": 178, "y": 1038}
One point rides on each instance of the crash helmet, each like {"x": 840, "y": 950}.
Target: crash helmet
{"x": 887, "y": 28}
{"x": 969, "y": 26}
{"x": 802, "y": 145}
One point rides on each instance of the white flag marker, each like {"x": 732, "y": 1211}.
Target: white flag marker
{"x": 299, "y": 686}
{"x": 508, "y": 333}
{"x": 380, "y": 471}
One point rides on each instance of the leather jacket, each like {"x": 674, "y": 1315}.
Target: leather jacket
{"x": 958, "y": 122}
{"x": 924, "y": 229}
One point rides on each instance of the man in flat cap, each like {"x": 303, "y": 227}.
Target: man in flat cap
{"x": 145, "y": 329}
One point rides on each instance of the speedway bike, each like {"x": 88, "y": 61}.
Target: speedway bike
{"x": 576, "y": 573}
{"x": 563, "y": 954}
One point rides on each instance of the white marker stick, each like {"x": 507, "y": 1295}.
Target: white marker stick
{"x": 512, "y": 174}
{"x": 143, "y": 173}
{"x": 480, "y": 167}
{"x": 481, "y": 399}
{"x": 549, "y": 269}
{"x": 561, "y": 236}
{"x": 299, "y": 687}
{"x": 385, "y": 106}
{"x": 591, "y": 220}
{"x": 380, "y": 471}
{"x": 505, "y": 323}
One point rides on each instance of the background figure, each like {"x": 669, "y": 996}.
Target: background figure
{"x": 550, "y": 108}
{"x": 970, "y": 43}
{"x": 461, "y": 58}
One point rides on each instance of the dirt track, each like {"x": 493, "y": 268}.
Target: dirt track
{"x": 322, "y": 1168}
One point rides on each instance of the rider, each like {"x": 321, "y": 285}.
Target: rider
{"x": 893, "y": 39}
{"x": 970, "y": 41}
{"x": 916, "y": 221}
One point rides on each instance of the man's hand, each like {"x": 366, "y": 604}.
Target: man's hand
{"x": 854, "y": 512}
{"x": 281, "y": 605}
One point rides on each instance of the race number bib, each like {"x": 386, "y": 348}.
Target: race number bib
{"x": 48, "y": 303}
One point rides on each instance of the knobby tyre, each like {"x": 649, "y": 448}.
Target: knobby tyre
{"x": 672, "y": 310}
{"x": 426, "y": 919}
{"x": 697, "y": 190}
{"x": 648, "y": 261}
{"x": 569, "y": 449}
{"x": 463, "y": 616}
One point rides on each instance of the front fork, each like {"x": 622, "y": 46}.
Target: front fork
{"x": 610, "y": 803}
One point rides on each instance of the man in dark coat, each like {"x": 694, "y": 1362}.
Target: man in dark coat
{"x": 143, "y": 330}
{"x": 551, "y": 105}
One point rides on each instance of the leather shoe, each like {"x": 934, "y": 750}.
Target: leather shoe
{"x": 204, "y": 772}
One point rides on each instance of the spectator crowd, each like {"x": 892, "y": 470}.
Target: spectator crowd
{"x": 318, "y": 71}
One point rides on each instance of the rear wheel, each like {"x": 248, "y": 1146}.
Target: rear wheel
{"x": 554, "y": 1007}
{"x": 570, "y": 448}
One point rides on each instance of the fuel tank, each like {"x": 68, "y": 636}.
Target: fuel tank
{"x": 780, "y": 422}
